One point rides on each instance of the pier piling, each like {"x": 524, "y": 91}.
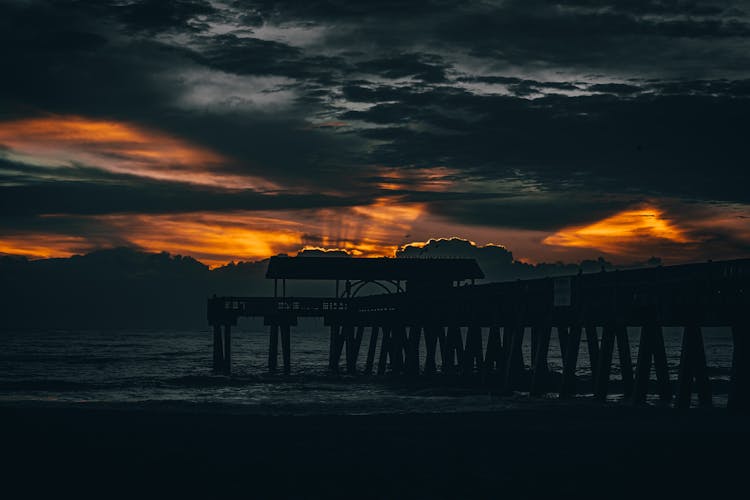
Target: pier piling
{"x": 693, "y": 369}
{"x": 739, "y": 391}
{"x": 374, "y": 331}
{"x": 570, "y": 361}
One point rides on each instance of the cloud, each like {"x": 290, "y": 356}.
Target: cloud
{"x": 117, "y": 147}
{"x": 498, "y": 121}
{"x": 621, "y": 232}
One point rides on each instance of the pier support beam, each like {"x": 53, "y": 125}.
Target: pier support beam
{"x": 562, "y": 339}
{"x": 385, "y": 348}
{"x": 515, "y": 365}
{"x": 626, "y": 362}
{"x": 540, "y": 373}
{"x": 651, "y": 347}
{"x": 411, "y": 349}
{"x": 592, "y": 345}
{"x": 604, "y": 362}
{"x": 473, "y": 358}
{"x": 374, "y": 331}
{"x": 611, "y": 333}
{"x": 353, "y": 342}
{"x": 348, "y": 337}
{"x": 218, "y": 350}
{"x": 570, "y": 360}
{"x": 273, "y": 347}
{"x": 286, "y": 347}
{"x": 739, "y": 389}
{"x": 398, "y": 344}
{"x": 430, "y": 341}
{"x": 494, "y": 358}
{"x": 334, "y": 350}
{"x": 455, "y": 348}
{"x": 693, "y": 368}
{"x": 442, "y": 341}
{"x": 227, "y": 365}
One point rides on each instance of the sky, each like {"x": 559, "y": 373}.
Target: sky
{"x": 238, "y": 130}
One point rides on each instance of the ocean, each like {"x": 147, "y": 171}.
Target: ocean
{"x": 172, "y": 369}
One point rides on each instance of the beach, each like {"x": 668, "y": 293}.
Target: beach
{"x": 561, "y": 449}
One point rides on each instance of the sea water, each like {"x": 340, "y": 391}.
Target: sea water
{"x": 168, "y": 369}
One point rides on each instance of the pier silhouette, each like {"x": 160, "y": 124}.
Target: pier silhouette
{"x": 479, "y": 328}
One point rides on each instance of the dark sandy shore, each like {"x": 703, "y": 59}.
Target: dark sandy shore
{"x": 581, "y": 450}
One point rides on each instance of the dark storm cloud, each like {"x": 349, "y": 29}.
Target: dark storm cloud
{"x": 648, "y": 144}
{"x": 154, "y": 16}
{"x": 30, "y": 191}
{"x": 635, "y": 98}
{"x": 545, "y": 213}
{"x": 420, "y": 67}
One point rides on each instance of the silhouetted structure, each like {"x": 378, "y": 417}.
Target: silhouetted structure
{"x": 434, "y": 307}
{"x": 426, "y": 274}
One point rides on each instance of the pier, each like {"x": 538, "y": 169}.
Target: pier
{"x": 433, "y": 305}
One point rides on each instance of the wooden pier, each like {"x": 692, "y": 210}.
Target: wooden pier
{"x": 479, "y": 329}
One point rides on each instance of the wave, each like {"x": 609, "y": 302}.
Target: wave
{"x": 44, "y": 385}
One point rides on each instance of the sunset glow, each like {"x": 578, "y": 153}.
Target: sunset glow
{"x": 623, "y": 232}
{"x": 117, "y": 147}
{"x": 218, "y": 238}
{"x": 43, "y": 246}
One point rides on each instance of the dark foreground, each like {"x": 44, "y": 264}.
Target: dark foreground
{"x": 583, "y": 450}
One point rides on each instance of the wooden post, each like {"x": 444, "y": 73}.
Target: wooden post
{"x": 514, "y": 364}
{"x": 374, "y": 331}
{"x": 440, "y": 333}
{"x": 228, "y": 349}
{"x": 494, "y": 359}
{"x": 334, "y": 337}
{"x": 592, "y": 343}
{"x": 286, "y": 348}
{"x": 693, "y": 366}
{"x": 605, "y": 362}
{"x": 455, "y": 347}
{"x": 540, "y": 337}
{"x": 473, "y": 351}
{"x": 412, "y": 350}
{"x": 651, "y": 346}
{"x": 643, "y": 365}
{"x": 430, "y": 340}
{"x": 352, "y": 350}
{"x": 218, "y": 349}
{"x": 562, "y": 338}
{"x": 739, "y": 389}
{"x": 385, "y": 348}
{"x": 540, "y": 369}
{"x": 358, "y": 340}
{"x": 570, "y": 361}
{"x": 273, "y": 347}
{"x": 398, "y": 341}
{"x": 341, "y": 340}
{"x": 626, "y": 363}
{"x": 660, "y": 364}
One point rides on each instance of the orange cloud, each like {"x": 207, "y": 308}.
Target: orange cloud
{"x": 435, "y": 179}
{"x": 217, "y": 238}
{"x": 43, "y": 246}
{"x": 624, "y": 233}
{"x": 118, "y": 147}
